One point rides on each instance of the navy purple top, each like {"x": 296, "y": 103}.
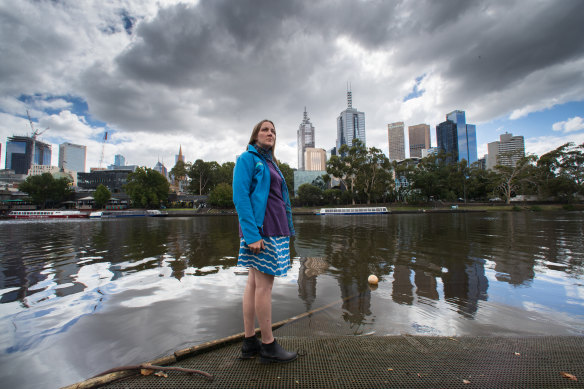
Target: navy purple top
{"x": 275, "y": 221}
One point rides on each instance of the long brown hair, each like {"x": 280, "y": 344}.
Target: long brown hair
{"x": 254, "y": 136}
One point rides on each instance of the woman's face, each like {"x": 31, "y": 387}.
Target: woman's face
{"x": 266, "y": 136}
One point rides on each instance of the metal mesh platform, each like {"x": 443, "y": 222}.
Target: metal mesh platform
{"x": 333, "y": 359}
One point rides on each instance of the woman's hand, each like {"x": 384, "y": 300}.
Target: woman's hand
{"x": 256, "y": 247}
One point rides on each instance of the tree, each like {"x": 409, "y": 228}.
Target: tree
{"x": 332, "y": 196}
{"x": 375, "y": 174}
{"x": 480, "y": 184}
{"x": 288, "y": 174}
{"x": 179, "y": 171}
{"x": 44, "y": 189}
{"x": 309, "y": 195}
{"x": 221, "y": 196}
{"x": 347, "y": 164}
{"x": 147, "y": 187}
{"x": 101, "y": 195}
{"x": 511, "y": 178}
{"x": 225, "y": 173}
{"x": 561, "y": 172}
{"x": 429, "y": 176}
{"x": 203, "y": 176}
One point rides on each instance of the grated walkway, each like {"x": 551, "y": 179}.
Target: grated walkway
{"x": 333, "y": 357}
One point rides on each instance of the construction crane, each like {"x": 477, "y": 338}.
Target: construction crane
{"x": 102, "y": 149}
{"x": 33, "y": 136}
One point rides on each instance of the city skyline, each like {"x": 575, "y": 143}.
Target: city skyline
{"x": 148, "y": 73}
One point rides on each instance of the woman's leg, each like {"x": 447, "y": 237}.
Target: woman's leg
{"x": 249, "y": 304}
{"x": 263, "y": 303}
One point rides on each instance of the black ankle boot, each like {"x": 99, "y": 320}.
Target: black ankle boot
{"x": 250, "y": 348}
{"x": 274, "y": 353}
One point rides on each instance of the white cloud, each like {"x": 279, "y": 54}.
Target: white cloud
{"x": 543, "y": 144}
{"x": 573, "y": 124}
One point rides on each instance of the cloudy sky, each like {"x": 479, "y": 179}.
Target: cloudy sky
{"x": 156, "y": 74}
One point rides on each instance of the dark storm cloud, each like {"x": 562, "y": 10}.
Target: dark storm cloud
{"x": 529, "y": 40}
{"x": 215, "y": 66}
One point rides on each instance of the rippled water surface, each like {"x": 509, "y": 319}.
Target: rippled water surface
{"x": 79, "y": 297}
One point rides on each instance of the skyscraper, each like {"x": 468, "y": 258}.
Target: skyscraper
{"x": 160, "y": 168}
{"x": 72, "y": 157}
{"x": 119, "y": 160}
{"x": 396, "y": 141}
{"x": 419, "y": 136}
{"x": 315, "y": 159}
{"x": 305, "y": 139}
{"x": 457, "y": 138}
{"x": 19, "y": 153}
{"x": 350, "y": 125}
{"x": 507, "y": 151}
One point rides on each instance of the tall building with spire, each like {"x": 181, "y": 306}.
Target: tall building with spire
{"x": 396, "y": 140}
{"x": 305, "y": 139}
{"x": 180, "y": 156}
{"x": 350, "y": 124}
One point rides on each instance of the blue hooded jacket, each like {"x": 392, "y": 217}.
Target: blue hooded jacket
{"x": 251, "y": 186}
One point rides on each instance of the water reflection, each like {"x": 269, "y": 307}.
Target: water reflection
{"x": 134, "y": 289}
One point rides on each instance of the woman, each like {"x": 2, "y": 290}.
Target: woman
{"x": 262, "y": 202}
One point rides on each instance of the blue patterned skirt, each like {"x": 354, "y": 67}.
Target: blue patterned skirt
{"x": 274, "y": 259}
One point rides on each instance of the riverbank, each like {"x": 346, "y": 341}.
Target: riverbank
{"x": 394, "y": 209}
{"x": 401, "y": 209}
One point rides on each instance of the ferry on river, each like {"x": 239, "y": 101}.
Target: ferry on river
{"x": 128, "y": 213}
{"x": 353, "y": 211}
{"x": 64, "y": 214}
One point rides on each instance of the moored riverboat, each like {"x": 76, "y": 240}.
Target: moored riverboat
{"x": 48, "y": 214}
{"x": 353, "y": 211}
{"x": 127, "y": 213}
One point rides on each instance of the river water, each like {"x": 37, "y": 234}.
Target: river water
{"x": 78, "y": 297}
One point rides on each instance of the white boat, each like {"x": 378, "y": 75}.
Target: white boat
{"x": 127, "y": 213}
{"x": 64, "y": 214}
{"x": 353, "y": 211}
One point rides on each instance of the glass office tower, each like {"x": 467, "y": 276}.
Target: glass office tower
{"x": 350, "y": 125}
{"x": 466, "y": 136}
{"x": 72, "y": 157}
{"x": 19, "y": 154}
{"x": 457, "y": 138}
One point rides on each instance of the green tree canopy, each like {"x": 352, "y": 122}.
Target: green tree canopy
{"x": 510, "y": 178}
{"x": 101, "y": 195}
{"x": 179, "y": 171}
{"x": 309, "y": 195}
{"x": 374, "y": 176}
{"x": 288, "y": 174}
{"x": 347, "y": 165}
{"x": 203, "y": 176}
{"x": 44, "y": 189}
{"x": 147, "y": 188}
{"x": 225, "y": 173}
{"x": 222, "y": 196}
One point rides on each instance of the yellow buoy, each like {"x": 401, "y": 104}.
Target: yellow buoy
{"x": 373, "y": 279}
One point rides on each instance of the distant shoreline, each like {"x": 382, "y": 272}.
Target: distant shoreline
{"x": 460, "y": 208}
